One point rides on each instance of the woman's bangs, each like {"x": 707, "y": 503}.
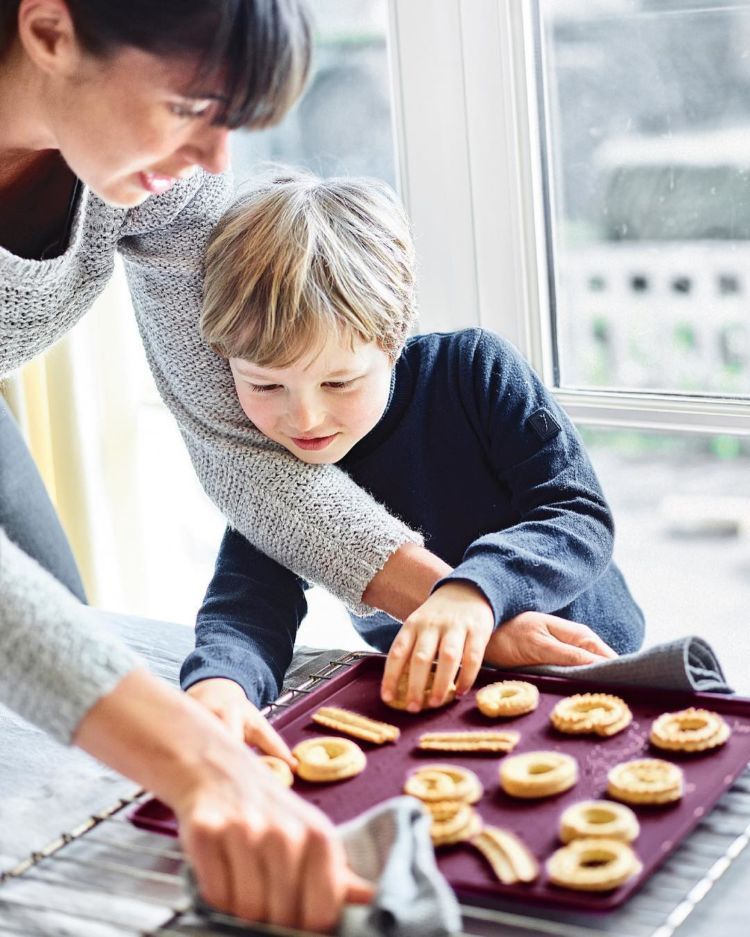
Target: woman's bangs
{"x": 261, "y": 55}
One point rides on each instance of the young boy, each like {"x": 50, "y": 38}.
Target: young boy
{"x": 309, "y": 294}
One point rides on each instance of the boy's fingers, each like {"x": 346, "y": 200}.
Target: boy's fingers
{"x": 470, "y": 663}
{"x": 420, "y": 666}
{"x": 582, "y": 636}
{"x": 396, "y": 662}
{"x": 449, "y": 660}
{"x": 565, "y": 655}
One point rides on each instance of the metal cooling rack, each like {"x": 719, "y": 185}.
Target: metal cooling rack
{"x": 108, "y": 879}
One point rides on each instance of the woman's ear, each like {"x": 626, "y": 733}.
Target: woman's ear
{"x": 47, "y": 35}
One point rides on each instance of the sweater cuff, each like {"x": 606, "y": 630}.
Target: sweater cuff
{"x": 507, "y": 595}
{"x": 251, "y": 672}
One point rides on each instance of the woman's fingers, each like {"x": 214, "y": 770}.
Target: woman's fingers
{"x": 208, "y": 856}
{"x": 327, "y": 883}
{"x": 259, "y": 731}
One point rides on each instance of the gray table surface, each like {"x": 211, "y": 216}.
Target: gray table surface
{"x": 46, "y": 789}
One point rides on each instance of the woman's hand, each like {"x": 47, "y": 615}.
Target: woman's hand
{"x": 258, "y": 850}
{"x": 454, "y": 626}
{"x": 261, "y": 852}
{"x": 226, "y": 700}
{"x": 534, "y": 638}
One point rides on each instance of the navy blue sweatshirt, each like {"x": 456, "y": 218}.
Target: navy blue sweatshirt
{"x": 475, "y": 452}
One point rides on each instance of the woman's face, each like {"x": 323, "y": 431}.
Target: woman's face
{"x": 132, "y": 123}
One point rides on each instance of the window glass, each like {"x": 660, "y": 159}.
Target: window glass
{"x": 646, "y": 110}
{"x": 342, "y": 124}
{"x": 682, "y": 517}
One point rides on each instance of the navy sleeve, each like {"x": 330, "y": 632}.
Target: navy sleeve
{"x": 562, "y": 540}
{"x": 248, "y": 622}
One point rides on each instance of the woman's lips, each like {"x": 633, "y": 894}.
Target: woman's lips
{"x": 155, "y": 183}
{"x": 317, "y": 442}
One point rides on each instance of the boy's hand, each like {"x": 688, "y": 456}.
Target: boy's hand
{"x": 226, "y": 699}
{"x": 533, "y": 638}
{"x": 454, "y": 626}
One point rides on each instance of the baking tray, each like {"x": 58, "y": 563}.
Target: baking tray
{"x": 707, "y": 776}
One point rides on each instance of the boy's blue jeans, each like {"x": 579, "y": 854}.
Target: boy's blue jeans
{"x": 26, "y": 512}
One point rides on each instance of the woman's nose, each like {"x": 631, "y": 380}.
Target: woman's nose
{"x": 210, "y": 149}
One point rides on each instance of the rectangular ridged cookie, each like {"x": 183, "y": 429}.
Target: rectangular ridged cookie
{"x": 360, "y": 727}
{"x": 479, "y": 741}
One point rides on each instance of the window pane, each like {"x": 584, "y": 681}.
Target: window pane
{"x": 682, "y": 513}
{"x": 647, "y": 112}
{"x": 342, "y": 125}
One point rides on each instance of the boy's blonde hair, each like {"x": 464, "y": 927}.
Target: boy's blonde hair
{"x": 299, "y": 258}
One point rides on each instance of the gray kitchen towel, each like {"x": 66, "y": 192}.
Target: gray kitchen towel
{"x": 683, "y": 664}
{"x": 390, "y": 846}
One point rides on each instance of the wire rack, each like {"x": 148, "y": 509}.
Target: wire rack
{"x": 108, "y": 879}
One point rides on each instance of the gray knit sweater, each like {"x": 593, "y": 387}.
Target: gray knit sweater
{"x": 53, "y": 666}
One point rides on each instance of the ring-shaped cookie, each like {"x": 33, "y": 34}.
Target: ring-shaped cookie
{"x": 599, "y": 819}
{"x": 689, "y": 730}
{"x": 279, "y": 768}
{"x": 597, "y": 713}
{"x": 645, "y": 781}
{"x": 328, "y": 758}
{"x": 593, "y": 865}
{"x": 507, "y": 698}
{"x": 538, "y": 774}
{"x": 444, "y": 782}
{"x": 453, "y": 822}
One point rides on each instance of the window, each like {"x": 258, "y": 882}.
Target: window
{"x": 571, "y": 172}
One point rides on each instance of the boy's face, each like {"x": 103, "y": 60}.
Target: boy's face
{"x": 319, "y": 407}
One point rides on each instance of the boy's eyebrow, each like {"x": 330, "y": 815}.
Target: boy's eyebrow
{"x": 343, "y": 372}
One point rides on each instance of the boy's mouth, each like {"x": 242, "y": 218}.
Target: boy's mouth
{"x": 314, "y": 442}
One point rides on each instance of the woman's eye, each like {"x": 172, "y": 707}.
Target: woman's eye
{"x": 188, "y": 111}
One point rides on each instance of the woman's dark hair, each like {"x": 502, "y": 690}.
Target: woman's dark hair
{"x": 258, "y": 51}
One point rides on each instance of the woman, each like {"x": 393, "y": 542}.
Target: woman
{"x": 112, "y": 116}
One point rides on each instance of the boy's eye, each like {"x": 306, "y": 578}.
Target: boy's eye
{"x": 263, "y": 388}
{"x": 338, "y": 385}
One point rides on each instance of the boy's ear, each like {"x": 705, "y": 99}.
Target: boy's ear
{"x": 48, "y": 36}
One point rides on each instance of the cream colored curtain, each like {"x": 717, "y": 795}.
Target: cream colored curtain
{"x": 77, "y": 409}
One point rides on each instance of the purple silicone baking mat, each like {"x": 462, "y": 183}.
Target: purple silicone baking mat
{"x": 707, "y": 776}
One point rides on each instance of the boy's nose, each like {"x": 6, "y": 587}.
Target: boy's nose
{"x": 305, "y": 418}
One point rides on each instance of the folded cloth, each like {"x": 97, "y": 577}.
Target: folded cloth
{"x": 683, "y": 664}
{"x": 389, "y": 845}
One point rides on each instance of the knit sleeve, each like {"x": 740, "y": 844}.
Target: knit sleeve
{"x": 312, "y": 519}
{"x": 58, "y": 659}
{"x": 563, "y": 536}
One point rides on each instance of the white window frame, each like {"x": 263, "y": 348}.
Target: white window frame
{"x": 467, "y": 131}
